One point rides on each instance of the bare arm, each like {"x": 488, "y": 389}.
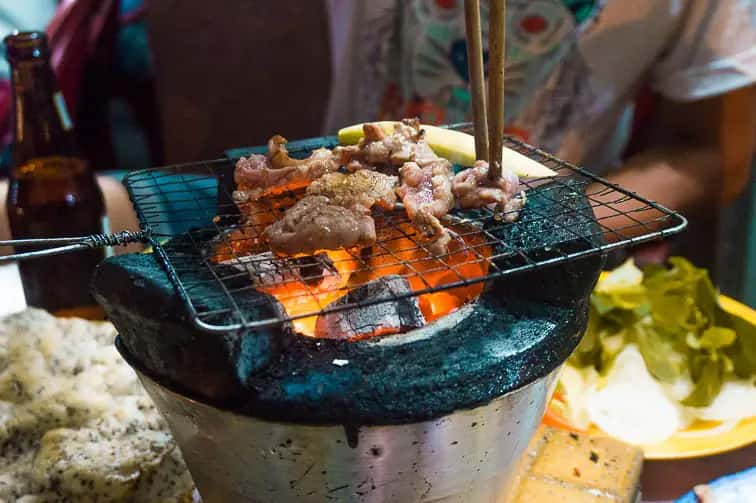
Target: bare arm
{"x": 698, "y": 156}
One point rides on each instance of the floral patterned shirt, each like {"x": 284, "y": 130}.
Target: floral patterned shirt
{"x": 573, "y": 67}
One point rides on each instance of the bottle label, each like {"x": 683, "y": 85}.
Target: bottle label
{"x": 60, "y": 106}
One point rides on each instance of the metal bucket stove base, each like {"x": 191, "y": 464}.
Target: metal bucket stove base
{"x": 467, "y": 456}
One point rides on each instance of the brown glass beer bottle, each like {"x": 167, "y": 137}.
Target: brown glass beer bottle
{"x": 52, "y": 191}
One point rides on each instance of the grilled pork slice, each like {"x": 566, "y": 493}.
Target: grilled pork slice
{"x": 473, "y": 189}
{"x": 426, "y": 192}
{"x": 258, "y": 176}
{"x": 387, "y": 152}
{"x": 334, "y": 214}
{"x": 314, "y": 224}
{"x": 364, "y": 188}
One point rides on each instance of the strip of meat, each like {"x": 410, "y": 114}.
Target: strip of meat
{"x": 315, "y": 224}
{"x": 334, "y": 214}
{"x": 376, "y": 149}
{"x": 364, "y": 188}
{"x": 426, "y": 192}
{"x": 258, "y": 176}
{"x": 473, "y": 189}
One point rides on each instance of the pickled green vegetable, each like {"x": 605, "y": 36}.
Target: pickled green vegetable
{"x": 673, "y": 315}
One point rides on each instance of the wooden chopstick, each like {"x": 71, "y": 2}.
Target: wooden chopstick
{"x": 496, "y": 51}
{"x": 477, "y": 78}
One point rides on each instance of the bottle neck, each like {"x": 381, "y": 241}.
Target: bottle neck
{"x": 42, "y": 126}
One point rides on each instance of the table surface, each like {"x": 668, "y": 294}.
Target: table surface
{"x": 12, "y": 291}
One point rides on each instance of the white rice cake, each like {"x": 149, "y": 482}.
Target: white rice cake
{"x": 75, "y": 423}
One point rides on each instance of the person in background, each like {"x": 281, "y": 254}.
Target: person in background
{"x": 248, "y": 70}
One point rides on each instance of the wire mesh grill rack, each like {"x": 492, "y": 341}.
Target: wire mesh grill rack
{"x": 220, "y": 264}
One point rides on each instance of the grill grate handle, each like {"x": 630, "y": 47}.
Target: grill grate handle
{"x": 72, "y": 244}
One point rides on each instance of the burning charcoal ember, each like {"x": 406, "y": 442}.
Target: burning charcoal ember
{"x": 365, "y": 188}
{"x": 267, "y": 269}
{"x": 390, "y": 317}
{"x": 224, "y": 247}
{"x": 426, "y": 192}
{"x": 258, "y": 176}
{"x": 314, "y": 224}
{"x": 473, "y": 189}
{"x": 314, "y": 268}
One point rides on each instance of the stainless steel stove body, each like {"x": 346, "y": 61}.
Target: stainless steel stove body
{"x": 466, "y": 456}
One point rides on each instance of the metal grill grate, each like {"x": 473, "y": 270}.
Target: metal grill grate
{"x": 208, "y": 253}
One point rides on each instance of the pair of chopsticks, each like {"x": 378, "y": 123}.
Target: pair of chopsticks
{"x": 489, "y": 125}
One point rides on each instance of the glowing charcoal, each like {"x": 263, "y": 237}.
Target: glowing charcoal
{"x": 390, "y": 317}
